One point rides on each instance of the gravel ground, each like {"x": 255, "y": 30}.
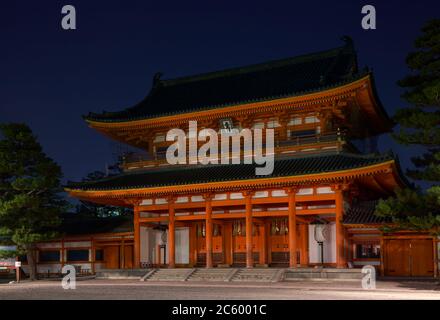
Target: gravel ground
{"x": 133, "y": 289}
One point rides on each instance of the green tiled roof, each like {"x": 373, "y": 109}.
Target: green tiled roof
{"x": 75, "y": 224}
{"x": 363, "y": 213}
{"x": 275, "y": 79}
{"x": 171, "y": 176}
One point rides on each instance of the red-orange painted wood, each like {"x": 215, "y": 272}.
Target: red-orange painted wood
{"x": 304, "y": 234}
{"x": 171, "y": 238}
{"x": 137, "y": 239}
{"x": 292, "y": 229}
{"x": 249, "y": 257}
{"x": 340, "y": 263}
{"x": 208, "y": 237}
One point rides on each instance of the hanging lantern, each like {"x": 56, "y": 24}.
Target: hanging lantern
{"x": 321, "y": 232}
{"x": 283, "y": 227}
{"x": 203, "y": 230}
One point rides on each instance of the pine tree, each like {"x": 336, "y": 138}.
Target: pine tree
{"x": 420, "y": 126}
{"x": 30, "y": 202}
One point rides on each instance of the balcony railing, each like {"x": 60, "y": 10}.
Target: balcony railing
{"x": 311, "y": 139}
{"x": 294, "y": 144}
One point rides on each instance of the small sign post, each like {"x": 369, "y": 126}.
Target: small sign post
{"x": 17, "y": 270}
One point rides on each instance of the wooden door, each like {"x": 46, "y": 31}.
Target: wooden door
{"x": 239, "y": 243}
{"x": 111, "y": 257}
{"x": 218, "y": 256}
{"x": 397, "y": 258}
{"x": 128, "y": 257}
{"x": 409, "y": 257}
{"x": 422, "y": 257}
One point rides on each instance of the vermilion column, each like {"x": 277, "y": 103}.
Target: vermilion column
{"x": 263, "y": 246}
{"x": 304, "y": 260}
{"x": 249, "y": 257}
{"x": 292, "y": 228}
{"x": 171, "y": 235}
{"x": 137, "y": 237}
{"x": 339, "y": 202}
{"x": 208, "y": 230}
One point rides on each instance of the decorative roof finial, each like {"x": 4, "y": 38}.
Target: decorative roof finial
{"x": 156, "y": 78}
{"x": 348, "y": 41}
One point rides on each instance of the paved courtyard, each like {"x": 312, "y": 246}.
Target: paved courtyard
{"x": 133, "y": 289}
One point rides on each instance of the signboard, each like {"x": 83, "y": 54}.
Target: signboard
{"x": 7, "y": 262}
{"x": 17, "y": 264}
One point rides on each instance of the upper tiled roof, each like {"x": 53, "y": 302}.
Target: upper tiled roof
{"x": 294, "y": 166}
{"x": 363, "y": 213}
{"x": 265, "y": 81}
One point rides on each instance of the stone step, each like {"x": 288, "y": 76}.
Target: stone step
{"x": 215, "y": 274}
{"x": 180, "y": 274}
{"x": 323, "y": 274}
{"x": 258, "y": 275}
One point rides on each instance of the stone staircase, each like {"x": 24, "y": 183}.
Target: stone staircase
{"x": 135, "y": 274}
{"x": 212, "y": 274}
{"x": 302, "y": 274}
{"x": 177, "y": 274}
{"x": 258, "y": 275}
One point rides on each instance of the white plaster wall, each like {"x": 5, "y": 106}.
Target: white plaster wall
{"x": 145, "y": 243}
{"x": 182, "y": 245}
{"x": 329, "y": 246}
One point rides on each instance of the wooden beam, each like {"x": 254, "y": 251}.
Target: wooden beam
{"x": 171, "y": 236}
{"x": 339, "y": 228}
{"x": 208, "y": 235}
{"x": 137, "y": 239}
{"x": 249, "y": 225}
{"x": 242, "y": 215}
{"x": 292, "y": 228}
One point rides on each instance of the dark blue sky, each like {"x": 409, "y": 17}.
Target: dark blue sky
{"x": 50, "y": 77}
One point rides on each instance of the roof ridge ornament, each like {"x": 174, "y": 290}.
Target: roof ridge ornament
{"x": 156, "y": 78}
{"x": 349, "y": 43}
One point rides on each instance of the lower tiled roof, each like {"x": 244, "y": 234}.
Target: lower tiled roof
{"x": 363, "y": 213}
{"x": 170, "y": 176}
{"x": 75, "y": 224}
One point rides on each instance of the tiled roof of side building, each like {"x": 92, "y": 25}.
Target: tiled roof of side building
{"x": 363, "y": 213}
{"x": 274, "y": 79}
{"x": 75, "y": 224}
{"x": 294, "y": 166}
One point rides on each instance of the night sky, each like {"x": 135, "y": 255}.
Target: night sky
{"x": 50, "y": 76}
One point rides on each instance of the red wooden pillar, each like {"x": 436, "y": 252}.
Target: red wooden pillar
{"x": 304, "y": 258}
{"x": 340, "y": 261}
{"x": 62, "y": 253}
{"x": 292, "y": 228}
{"x": 208, "y": 230}
{"x": 249, "y": 257}
{"x": 171, "y": 234}
{"x": 93, "y": 254}
{"x": 137, "y": 238}
{"x": 263, "y": 246}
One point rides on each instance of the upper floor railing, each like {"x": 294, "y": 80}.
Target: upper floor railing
{"x": 294, "y": 144}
